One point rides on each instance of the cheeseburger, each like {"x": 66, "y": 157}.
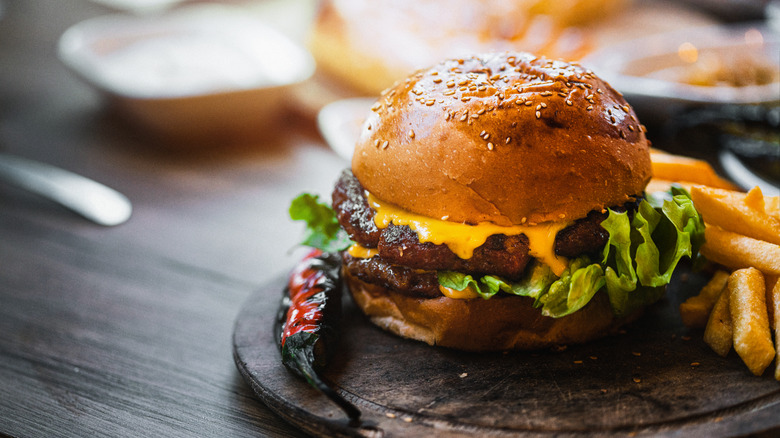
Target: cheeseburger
{"x": 497, "y": 202}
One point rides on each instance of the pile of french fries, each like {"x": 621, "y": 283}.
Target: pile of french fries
{"x": 740, "y": 309}
{"x": 740, "y": 306}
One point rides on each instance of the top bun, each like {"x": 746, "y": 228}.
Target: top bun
{"x": 507, "y": 138}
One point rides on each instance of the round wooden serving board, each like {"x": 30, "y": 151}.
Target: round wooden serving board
{"x": 655, "y": 379}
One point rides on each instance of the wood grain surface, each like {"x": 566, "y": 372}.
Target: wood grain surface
{"x": 126, "y": 331}
{"x": 656, "y": 379}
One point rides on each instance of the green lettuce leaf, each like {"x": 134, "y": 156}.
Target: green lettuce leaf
{"x": 574, "y": 289}
{"x": 537, "y": 280}
{"x": 322, "y": 226}
{"x": 637, "y": 262}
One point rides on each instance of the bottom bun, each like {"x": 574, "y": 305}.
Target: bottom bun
{"x": 500, "y": 323}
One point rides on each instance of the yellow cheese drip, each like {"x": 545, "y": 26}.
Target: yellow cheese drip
{"x": 463, "y": 239}
{"x": 465, "y": 294}
{"x": 361, "y": 252}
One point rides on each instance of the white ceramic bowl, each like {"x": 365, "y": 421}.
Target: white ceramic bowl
{"x": 195, "y": 73}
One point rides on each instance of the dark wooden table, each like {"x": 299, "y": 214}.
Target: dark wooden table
{"x": 126, "y": 331}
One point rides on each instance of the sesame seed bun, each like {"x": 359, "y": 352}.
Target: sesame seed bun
{"x": 500, "y": 323}
{"x": 507, "y": 138}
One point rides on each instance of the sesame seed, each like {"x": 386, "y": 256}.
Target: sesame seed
{"x": 590, "y": 107}
{"x": 482, "y": 134}
{"x": 528, "y": 103}
{"x": 464, "y": 117}
{"x": 508, "y": 140}
{"x": 631, "y": 128}
{"x": 481, "y": 111}
{"x": 523, "y": 220}
{"x": 465, "y": 98}
{"x": 411, "y": 133}
{"x": 490, "y": 146}
{"x": 599, "y": 90}
{"x": 625, "y": 108}
{"x": 376, "y": 143}
{"x": 544, "y": 105}
{"x": 568, "y": 102}
{"x": 612, "y": 119}
{"x": 475, "y": 116}
{"x": 538, "y": 107}
{"x": 538, "y": 115}
{"x": 622, "y": 134}
{"x": 376, "y": 106}
{"x": 385, "y": 144}
{"x": 437, "y": 80}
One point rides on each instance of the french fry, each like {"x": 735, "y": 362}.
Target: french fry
{"x": 773, "y": 306}
{"x": 747, "y": 305}
{"x": 772, "y": 206}
{"x": 663, "y": 185}
{"x": 737, "y": 212}
{"x": 719, "y": 332}
{"x": 696, "y": 310}
{"x": 771, "y": 281}
{"x": 679, "y": 168}
{"x": 737, "y": 251}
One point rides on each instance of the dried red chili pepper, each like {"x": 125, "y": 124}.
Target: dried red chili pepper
{"x": 307, "y": 322}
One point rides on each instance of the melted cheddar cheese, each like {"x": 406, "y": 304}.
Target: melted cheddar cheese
{"x": 361, "y": 252}
{"x": 463, "y": 239}
{"x": 465, "y": 294}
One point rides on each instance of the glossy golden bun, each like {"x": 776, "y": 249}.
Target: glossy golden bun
{"x": 507, "y": 138}
{"x": 500, "y": 323}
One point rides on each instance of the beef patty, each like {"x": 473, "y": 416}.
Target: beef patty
{"x": 403, "y": 259}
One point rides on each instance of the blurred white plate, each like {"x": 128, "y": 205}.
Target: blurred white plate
{"x": 649, "y": 71}
{"x": 339, "y": 123}
{"x": 203, "y": 69}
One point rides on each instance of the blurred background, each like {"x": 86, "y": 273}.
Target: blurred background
{"x": 186, "y": 73}
{"x": 182, "y": 75}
